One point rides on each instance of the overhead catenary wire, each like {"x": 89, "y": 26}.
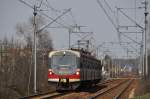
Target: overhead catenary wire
{"x": 131, "y": 19}
{"x": 59, "y": 11}
{"x": 83, "y": 38}
{"x": 131, "y": 39}
{"x": 52, "y": 8}
{"x": 137, "y": 26}
{"x": 108, "y": 16}
{"x": 26, "y": 4}
{"x": 64, "y": 26}
{"x": 44, "y": 14}
{"x": 53, "y": 20}
{"x": 109, "y": 6}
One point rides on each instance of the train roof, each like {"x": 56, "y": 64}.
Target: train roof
{"x": 77, "y": 53}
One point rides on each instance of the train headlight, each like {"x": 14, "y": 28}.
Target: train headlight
{"x": 50, "y": 73}
{"x": 77, "y": 73}
{"x": 64, "y": 53}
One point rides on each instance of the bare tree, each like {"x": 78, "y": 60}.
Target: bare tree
{"x": 16, "y": 61}
{"x": 26, "y": 31}
{"x": 44, "y": 45}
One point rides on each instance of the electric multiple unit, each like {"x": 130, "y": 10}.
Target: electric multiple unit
{"x": 72, "y": 68}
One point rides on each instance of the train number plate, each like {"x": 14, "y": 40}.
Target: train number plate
{"x": 63, "y": 80}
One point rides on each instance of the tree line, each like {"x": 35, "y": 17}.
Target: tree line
{"x": 16, "y": 61}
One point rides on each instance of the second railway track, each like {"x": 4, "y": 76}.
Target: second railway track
{"x": 114, "y": 92}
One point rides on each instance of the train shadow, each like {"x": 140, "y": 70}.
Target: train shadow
{"x": 90, "y": 89}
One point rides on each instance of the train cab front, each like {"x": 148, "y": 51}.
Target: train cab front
{"x": 65, "y": 81}
{"x": 64, "y": 70}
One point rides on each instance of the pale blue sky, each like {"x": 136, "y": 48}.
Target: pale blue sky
{"x": 85, "y": 12}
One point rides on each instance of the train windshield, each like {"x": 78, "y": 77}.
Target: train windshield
{"x": 63, "y": 64}
{"x": 63, "y": 60}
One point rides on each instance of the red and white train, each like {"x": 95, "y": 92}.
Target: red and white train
{"x": 72, "y": 68}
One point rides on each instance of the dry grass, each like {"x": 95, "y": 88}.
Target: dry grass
{"x": 144, "y": 87}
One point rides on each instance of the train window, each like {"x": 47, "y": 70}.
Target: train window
{"x": 78, "y": 62}
{"x": 96, "y": 65}
{"x": 83, "y": 63}
{"x": 49, "y": 63}
{"x": 89, "y": 64}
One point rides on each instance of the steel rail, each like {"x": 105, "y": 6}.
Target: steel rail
{"x": 34, "y": 95}
{"x": 123, "y": 90}
{"x": 109, "y": 89}
{"x": 47, "y": 95}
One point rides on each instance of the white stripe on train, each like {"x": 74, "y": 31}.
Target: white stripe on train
{"x": 57, "y": 80}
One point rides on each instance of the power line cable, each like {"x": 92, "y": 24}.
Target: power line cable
{"x": 109, "y": 6}
{"x": 53, "y": 20}
{"x": 110, "y": 19}
{"x": 131, "y": 19}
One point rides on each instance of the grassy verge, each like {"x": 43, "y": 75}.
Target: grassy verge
{"x": 144, "y": 90}
{"x": 146, "y": 96}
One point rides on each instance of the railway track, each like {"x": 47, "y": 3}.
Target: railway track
{"x": 125, "y": 84}
{"x": 112, "y": 85}
{"x": 123, "y": 90}
{"x": 48, "y": 95}
{"x": 54, "y": 94}
{"x": 107, "y": 81}
{"x": 86, "y": 92}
